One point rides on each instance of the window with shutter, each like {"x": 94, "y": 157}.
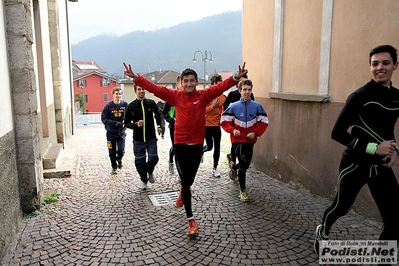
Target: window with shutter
{"x": 82, "y": 83}
{"x": 104, "y": 82}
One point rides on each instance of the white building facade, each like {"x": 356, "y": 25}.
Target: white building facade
{"x": 37, "y": 107}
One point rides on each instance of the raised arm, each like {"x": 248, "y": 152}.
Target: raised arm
{"x": 129, "y": 71}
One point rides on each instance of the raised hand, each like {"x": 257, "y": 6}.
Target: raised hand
{"x": 129, "y": 72}
{"x": 241, "y": 72}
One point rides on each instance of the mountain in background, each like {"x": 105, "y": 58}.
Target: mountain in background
{"x": 170, "y": 48}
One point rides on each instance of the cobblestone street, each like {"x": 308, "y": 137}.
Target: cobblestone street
{"x": 103, "y": 219}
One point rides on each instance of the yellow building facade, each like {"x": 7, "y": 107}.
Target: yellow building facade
{"x": 305, "y": 57}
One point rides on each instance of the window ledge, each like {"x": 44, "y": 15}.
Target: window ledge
{"x": 300, "y": 97}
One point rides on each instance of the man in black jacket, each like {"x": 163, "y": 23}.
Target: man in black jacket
{"x": 140, "y": 117}
{"x": 371, "y": 150}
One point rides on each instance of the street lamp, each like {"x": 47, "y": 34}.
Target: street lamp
{"x": 206, "y": 57}
{"x": 116, "y": 76}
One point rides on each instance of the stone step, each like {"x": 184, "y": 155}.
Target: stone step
{"x": 66, "y": 166}
{"x": 51, "y": 158}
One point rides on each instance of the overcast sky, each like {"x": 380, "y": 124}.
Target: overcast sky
{"x": 88, "y": 18}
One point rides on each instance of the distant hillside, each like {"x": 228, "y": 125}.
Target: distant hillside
{"x": 169, "y": 48}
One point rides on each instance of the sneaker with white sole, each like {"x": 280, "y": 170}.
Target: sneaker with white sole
{"x": 192, "y": 228}
{"x": 171, "y": 168}
{"x": 151, "y": 177}
{"x": 244, "y": 196}
{"x": 319, "y": 240}
{"x": 215, "y": 172}
{"x": 143, "y": 186}
{"x": 114, "y": 172}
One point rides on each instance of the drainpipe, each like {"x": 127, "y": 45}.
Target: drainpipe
{"x": 70, "y": 69}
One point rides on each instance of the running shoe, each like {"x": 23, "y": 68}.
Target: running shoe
{"x": 244, "y": 196}
{"x": 192, "y": 228}
{"x": 151, "y": 177}
{"x": 171, "y": 168}
{"x": 232, "y": 172}
{"x": 318, "y": 242}
{"x": 114, "y": 172}
{"x": 215, "y": 172}
{"x": 143, "y": 186}
{"x": 228, "y": 156}
{"x": 179, "y": 200}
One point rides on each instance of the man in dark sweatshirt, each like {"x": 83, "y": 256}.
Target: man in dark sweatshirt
{"x": 113, "y": 116}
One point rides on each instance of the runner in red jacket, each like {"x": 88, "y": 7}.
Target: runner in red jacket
{"x": 190, "y": 105}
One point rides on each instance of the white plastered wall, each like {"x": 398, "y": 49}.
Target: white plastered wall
{"x": 6, "y": 117}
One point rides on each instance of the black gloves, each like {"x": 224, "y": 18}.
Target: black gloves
{"x": 118, "y": 124}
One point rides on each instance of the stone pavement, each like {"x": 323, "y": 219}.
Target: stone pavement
{"x": 101, "y": 219}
